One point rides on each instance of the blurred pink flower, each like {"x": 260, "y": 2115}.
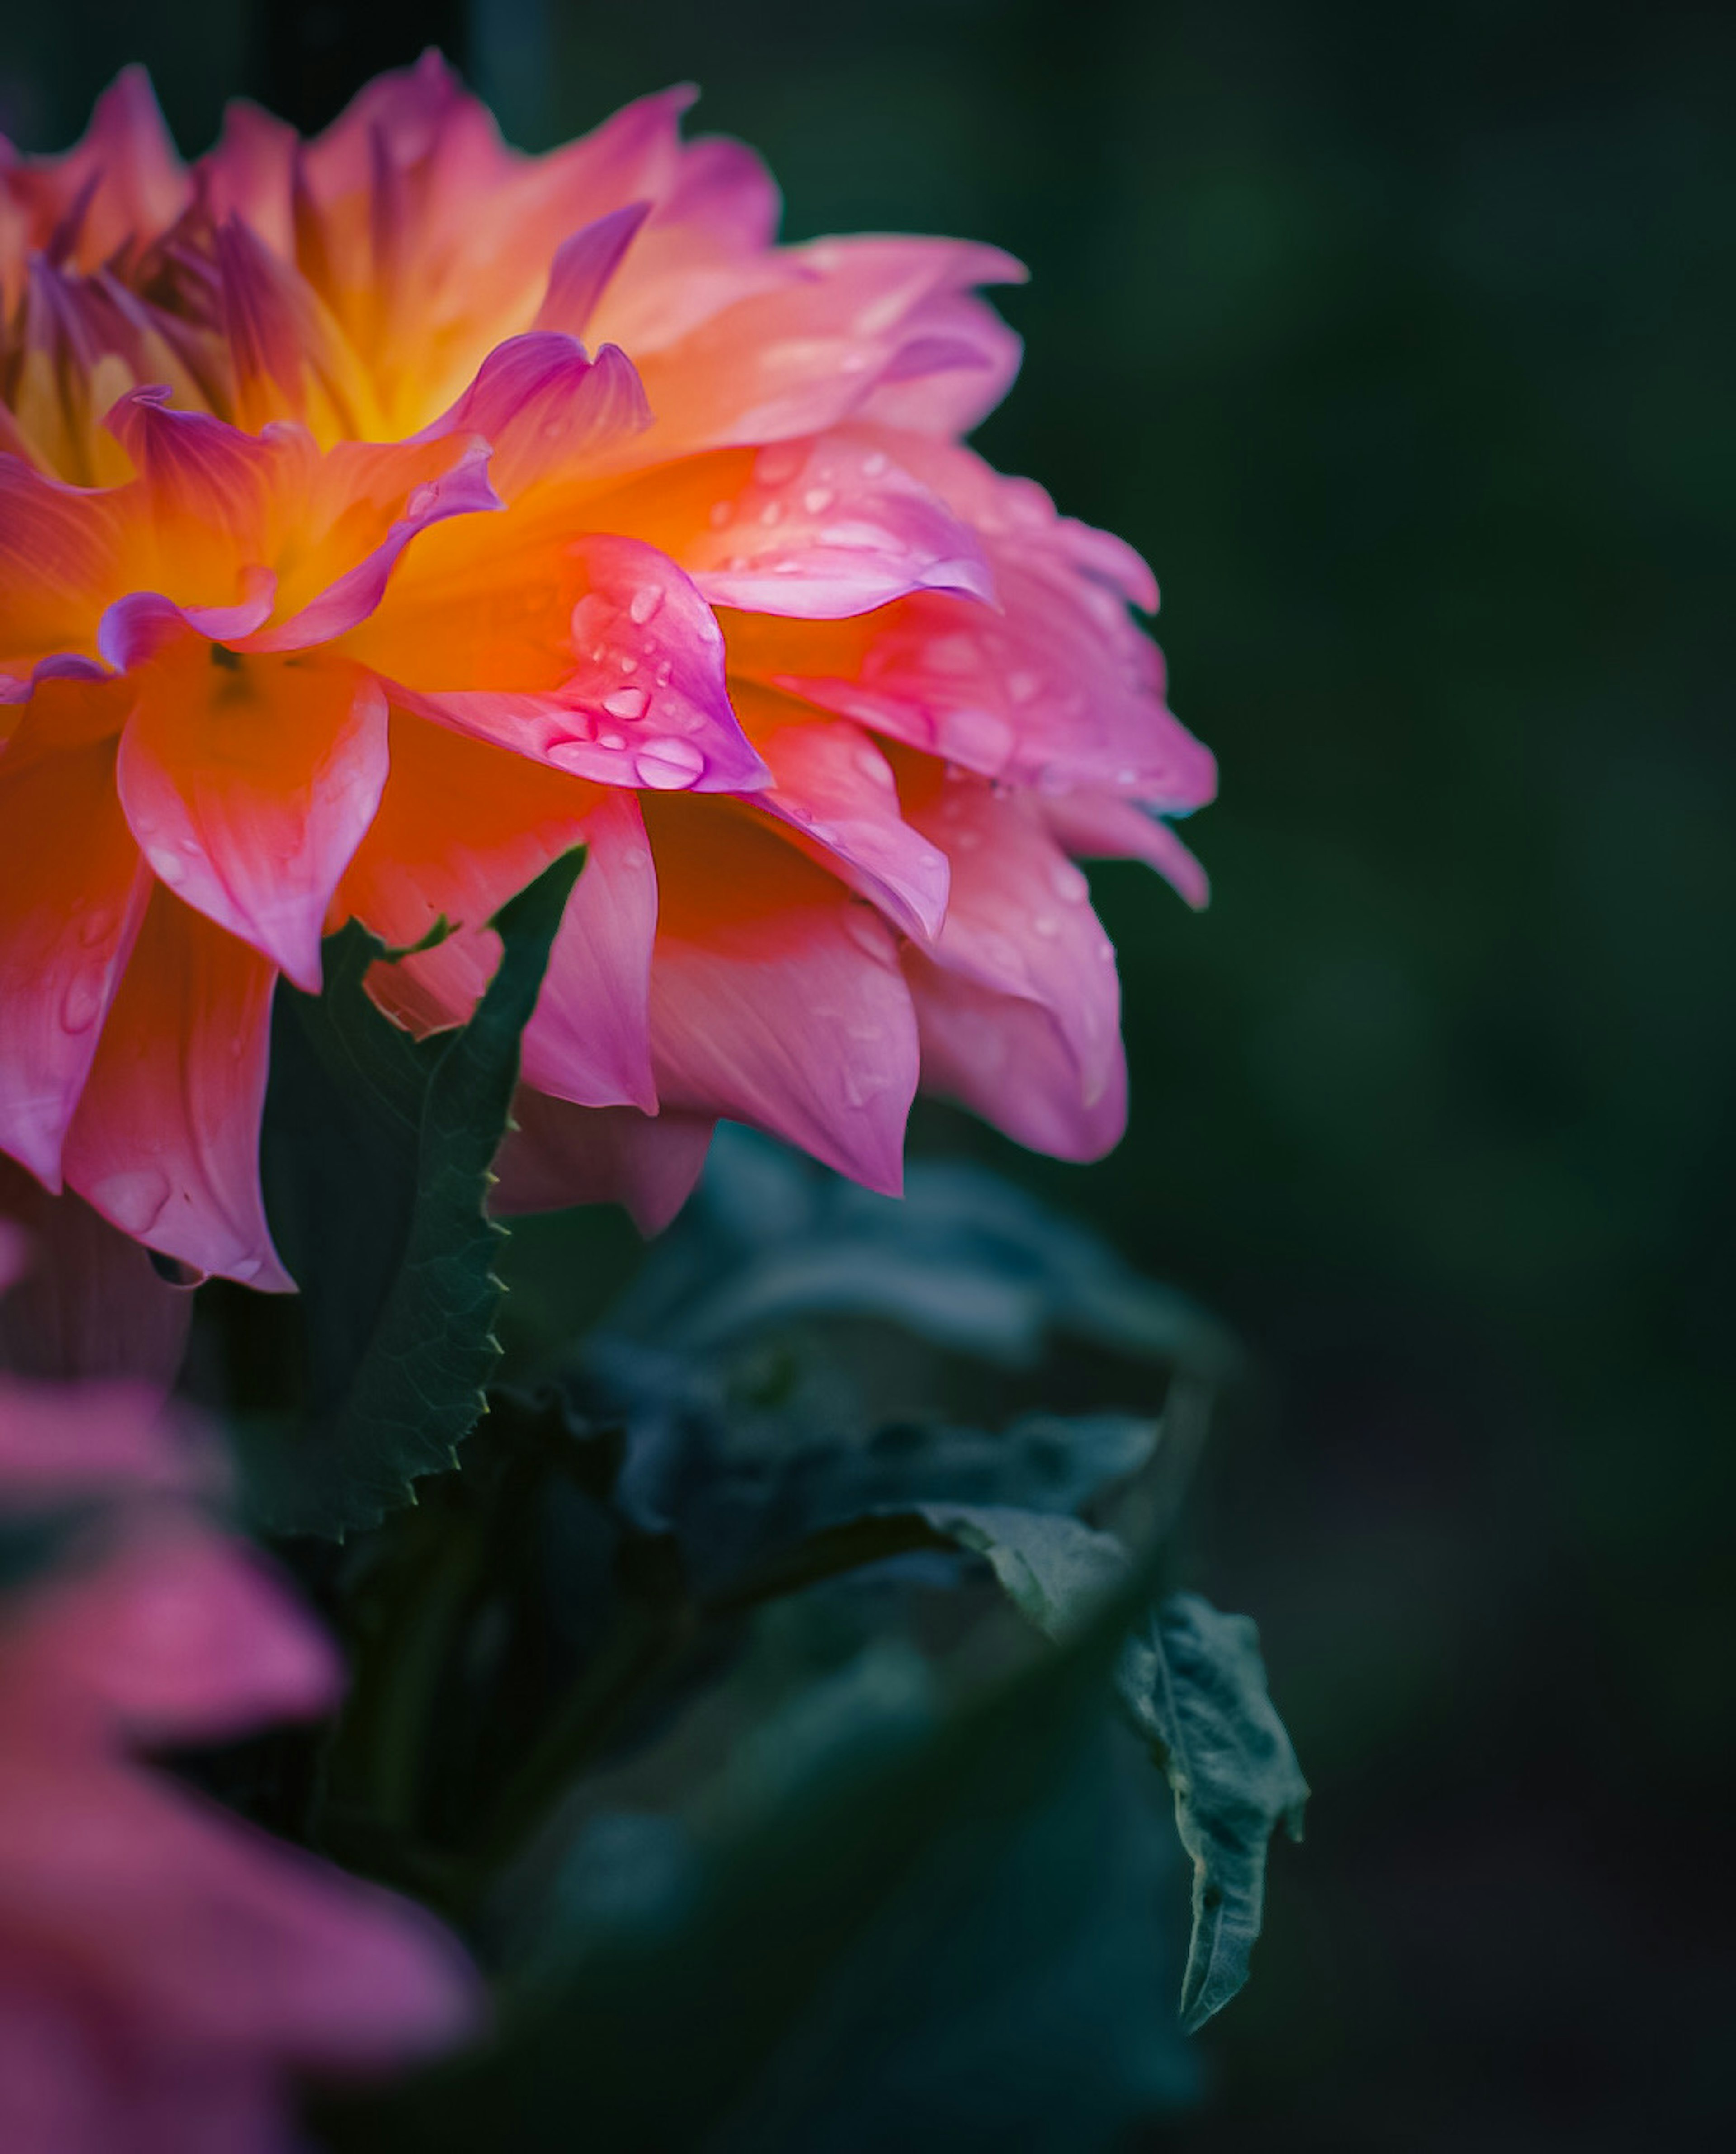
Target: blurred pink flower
{"x": 166, "y": 1969}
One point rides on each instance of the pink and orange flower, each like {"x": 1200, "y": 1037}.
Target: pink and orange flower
{"x": 380, "y": 515}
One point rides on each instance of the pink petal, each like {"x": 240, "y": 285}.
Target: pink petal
{"x": 122, "y": 185}
{"x": 561, "y": 1154}
{"x": 248, "y": 784}
{"x": 166, "y": 1141}
{"x": 1019, "y": 921}
{"x": 1100, "y": 826}
{"x": 644, "y": 703}
{"x": 811, "y": 529}
{"x": 836, "y": 793}
{"x": 546, "y": 409}
{"x": 72, "y": 893}
{"x": 775, "y": 998}
{"x": 809, "y": 354}
{"x": 590, "y": 1040}
{"x": 583, "y": 266}
{"x": 179, "y": 1636}
{"x": 1006, "y": 1059}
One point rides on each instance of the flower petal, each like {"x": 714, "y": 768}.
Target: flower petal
{"x": 561, "y": 1154}
{"x": 835, "y": 792}
{"x": 546, "y": 409}
{"x": 1005, "y": 1059}
{"x": 583, "y": 264}
{"x": 1101, "y": 826}
{"x": 58, "y": 551}
{"x": 248, "y": 782}
{"x": 815, "y": 529}
{"x": 632, "y": 690}
{"x": 461, "y": 828}
{"x": 166, "y": 1141}
{"x": 1018, "y": 919}
{"x": 776, "y": 999}
{"x": 72, "y": 893}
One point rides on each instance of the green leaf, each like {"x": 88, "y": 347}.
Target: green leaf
{"x": 376, "y": 1168}
{"x": 1054, "y": 1568}
{"x": 1194, "y": 1685}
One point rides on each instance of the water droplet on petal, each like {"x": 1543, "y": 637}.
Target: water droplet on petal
{"x": 169, "y": 869}
{"x": 722, "y": 513}
{"x": 626, "y": 703}
{"x": 627, "y": 663}
{"x": 1046, "y": 924}
{"x": 611, "y": 740}
{"x": 665, "y": 766}
{"x": 665, "y": 672}
{"x": 645, "y": 601}
{"x": 80, "y": 1004}
{"x": 634, "y": 857}
{"x": 874, "y": 465}
{"x": 873, "y": 766}
{"x": 1069, "y": 883}
{"x": 96, "y": 926}
{"x": 818, "y": 499}
{"x": 772, "y": 514}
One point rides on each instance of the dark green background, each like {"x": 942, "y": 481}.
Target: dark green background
{"x": 1394, "y": 338}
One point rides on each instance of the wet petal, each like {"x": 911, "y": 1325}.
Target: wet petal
{"x": 815, "y": 529}
{"x": 72, "y": 893}
{"x": 836, "y": 793}
{"x": 1101, "y": 826}
{"x": 166, "y": 1141}
{"x": 546, "y": 409}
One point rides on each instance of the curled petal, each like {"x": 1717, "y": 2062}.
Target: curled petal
{"x": 546, "y": 409}
{"x": 639, "y": 696}
{"x": 247, "y": 782}
{"x": 776, "y": 998}
{"x": 583, "y": 264}
{"x": 560, "y": 1155}
{"x": 166, "y": 1140}
{"x": 1005, "y": 1059}
{"x": 836, "y": 793}
{"x": 815, "y": 529}
{"x": 1100, "y": 826}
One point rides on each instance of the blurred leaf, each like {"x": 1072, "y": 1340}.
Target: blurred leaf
{"x": 1194, "y": 1685}
{"x": 962, "y": 1259}
{"x": 883, "y": 1919}
{"x": 377, "y": 1165}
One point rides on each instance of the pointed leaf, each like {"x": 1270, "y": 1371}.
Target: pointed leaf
{"x": 377, "y": 1168}
{"x": 1193, "y": 1683}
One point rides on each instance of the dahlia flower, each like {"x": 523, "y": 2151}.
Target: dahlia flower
{"x": 382, "y": 514}
{"x": 164, "y": 1967}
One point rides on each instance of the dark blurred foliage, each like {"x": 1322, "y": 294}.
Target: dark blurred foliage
{"x": 1395, "y": 337}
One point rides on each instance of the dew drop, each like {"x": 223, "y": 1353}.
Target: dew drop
{"x": 873, "y": 766}
{"x": 667, "y": 765}
{"x": 1046, "y": 924}
{"x": 636, "y": 857}
{"x": 721, "y": 513}
{"x": 665, "y": 672}
{"x": 875, "y": 465}
{"x": 96, "y": 926}
{"x": 645, "y": 602}
{"x": 569, "y": 754}
{"x": 169, "y": 869}
{"x": 247, "y": 1267}
{"x": 611, "y": 740}
{"x": 626, "y": 703}
{"x": 778, "y": 464}
{"x": 1069, "y": 883}
{"x": 627, "y": 663}
{"x": 772, "y": 514}
{"x": 818, "y": 499}
{"x": 80, "y": 1004}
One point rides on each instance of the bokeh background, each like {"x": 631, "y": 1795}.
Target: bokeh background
{"x": 1397, "y": 339}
